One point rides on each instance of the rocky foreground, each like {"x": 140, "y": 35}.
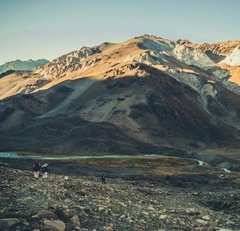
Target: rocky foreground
{"x": 63, "y": 202}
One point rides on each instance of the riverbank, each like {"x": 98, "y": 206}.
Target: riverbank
{"x": 27, "y": 156}
{"x": 114, "y": 166}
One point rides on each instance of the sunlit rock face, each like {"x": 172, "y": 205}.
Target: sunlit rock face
{"x": 146, "y": 94}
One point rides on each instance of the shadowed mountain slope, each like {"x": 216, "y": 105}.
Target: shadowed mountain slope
{"x": 145, "y": 95}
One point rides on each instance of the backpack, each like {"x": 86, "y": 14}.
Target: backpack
{"x": 36, "y": 166}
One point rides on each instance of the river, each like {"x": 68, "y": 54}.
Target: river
{"x": 16, "y": 155}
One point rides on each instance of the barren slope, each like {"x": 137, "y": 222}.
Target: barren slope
{"x": 144, "y": 95}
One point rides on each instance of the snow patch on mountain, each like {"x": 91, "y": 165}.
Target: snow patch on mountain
{"x": 208, "y": 89}
{"x": 191, "y": 79}
{"x": 151, "y": 58}
{"x": 234, "y": 58}
{"x": 159, "y": 45}
{"x": 192, "y": 56}
{"x": 161, "y": 48}
{"x": 221, "y": 74}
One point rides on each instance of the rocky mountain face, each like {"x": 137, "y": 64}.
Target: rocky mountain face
{"x": 220, "y": 48}
{"x": 144, "y": 95}
{"x": 22, "y": 65}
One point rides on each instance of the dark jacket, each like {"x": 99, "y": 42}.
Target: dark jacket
{"x": 36, "y": 166}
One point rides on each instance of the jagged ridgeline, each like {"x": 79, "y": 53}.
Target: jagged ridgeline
{"x": 144, "y": 95}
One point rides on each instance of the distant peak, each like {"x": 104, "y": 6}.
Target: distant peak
{"x": 183, "y": 41}
{"x": 22, "y": 65}
{"x": 150, "y": 36}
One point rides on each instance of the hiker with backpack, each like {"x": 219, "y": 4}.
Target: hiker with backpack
{"x": 103, "y": 179}
{"x": 44, "y": 170}
{"x": 36, "y": 169}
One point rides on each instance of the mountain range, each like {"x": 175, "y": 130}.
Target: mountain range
{"x": 22, "y": 65}
{"x": 144, "y": 95}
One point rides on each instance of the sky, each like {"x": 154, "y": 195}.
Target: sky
{"x": 33, "y": 29}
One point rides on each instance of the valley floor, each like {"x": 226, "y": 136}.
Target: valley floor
{"x": 132, "y": 199}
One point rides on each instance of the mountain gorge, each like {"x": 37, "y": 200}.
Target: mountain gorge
{"x": 144, "y": 95}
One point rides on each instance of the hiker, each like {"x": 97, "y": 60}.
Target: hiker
{"x": 36, "y": 168}
{"x": 103, "y": 179}
{"x": 44, "y": 170}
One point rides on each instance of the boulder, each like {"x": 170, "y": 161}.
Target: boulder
{"x": 202, "y": 222}
{"x": 75, "y": 221}
{"x": 46, "y": 214}
{"x": 7, "y": 223}
{"x": 138, "y": 228}
{"x": 55, "y": 225}
{"x": 206, "y": 218}
{"x": 192, "y": 211}
{"x": 163, "y": 216}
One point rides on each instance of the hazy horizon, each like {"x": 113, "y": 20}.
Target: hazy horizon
{"x": 47, "y": 29}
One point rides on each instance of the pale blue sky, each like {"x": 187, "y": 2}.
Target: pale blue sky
{"x": 50, "y": 28}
